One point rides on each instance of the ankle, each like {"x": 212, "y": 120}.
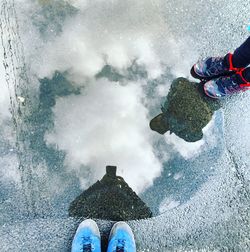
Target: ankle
{"x": 229, "y": 62}
{"x": 246, "y": 74}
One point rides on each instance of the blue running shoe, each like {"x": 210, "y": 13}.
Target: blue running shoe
{"x": 213, "y": 67}
{"x": 226, "y": 85}
{"x": 87, "y": 238}
{"x": 121, "y": 238}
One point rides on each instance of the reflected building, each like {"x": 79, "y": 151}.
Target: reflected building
{"x": 111, "y": 198}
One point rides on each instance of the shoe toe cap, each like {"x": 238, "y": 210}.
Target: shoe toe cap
{"x": 89, "y": 226}
{"x": 211, "y": 89}
{"x": 123, "y": 227}
{"x": 198, "y": 69}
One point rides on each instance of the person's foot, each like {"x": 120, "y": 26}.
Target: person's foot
{"x": 213, "y": 67}
{"x": 87, "y": 238}
{"x": 121, "y": 238}
{"x": 226, "y": 85}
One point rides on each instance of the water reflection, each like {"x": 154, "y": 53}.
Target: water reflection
{"x": 57, "y": 57}
{"x": 69, "y": 123}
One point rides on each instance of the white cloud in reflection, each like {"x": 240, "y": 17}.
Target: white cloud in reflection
{"x": 116, "y": 33}
{"x": 107, "y": 125}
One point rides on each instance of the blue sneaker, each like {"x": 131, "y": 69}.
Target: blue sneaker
{"x": 87, "y": 238}
{"x": 226, "y": 85}
{"x": 212, "y": 67}
{"x": 121, "y": 238}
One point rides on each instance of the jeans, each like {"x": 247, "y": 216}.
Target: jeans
{"x": 241, "y": 58}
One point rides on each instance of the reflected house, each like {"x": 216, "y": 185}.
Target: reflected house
{"x": 186, "y": 111}
{"x": 110, "y": 199}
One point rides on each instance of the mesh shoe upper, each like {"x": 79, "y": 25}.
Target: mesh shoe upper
{"x": 210, "y": 67}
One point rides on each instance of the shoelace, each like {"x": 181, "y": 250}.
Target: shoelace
{"x": 87, "y": 248}
{"x": 121, "y": 245}
{"x": 86, "y": 244}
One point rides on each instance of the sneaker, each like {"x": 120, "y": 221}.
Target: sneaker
{"x": 121, "y": 238}
{"x": 226, "y": 85}
{"x": 87, "y": 238}
{"x": 213, "y": 67}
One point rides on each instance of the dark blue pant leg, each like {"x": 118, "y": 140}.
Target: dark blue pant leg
{"x": 246, "y": 74}
{"x": 241, "y": 56}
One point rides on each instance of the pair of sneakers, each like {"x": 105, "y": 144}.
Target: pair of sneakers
{"x": 88, "y": 238}
{"x": 220, "y": 77}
